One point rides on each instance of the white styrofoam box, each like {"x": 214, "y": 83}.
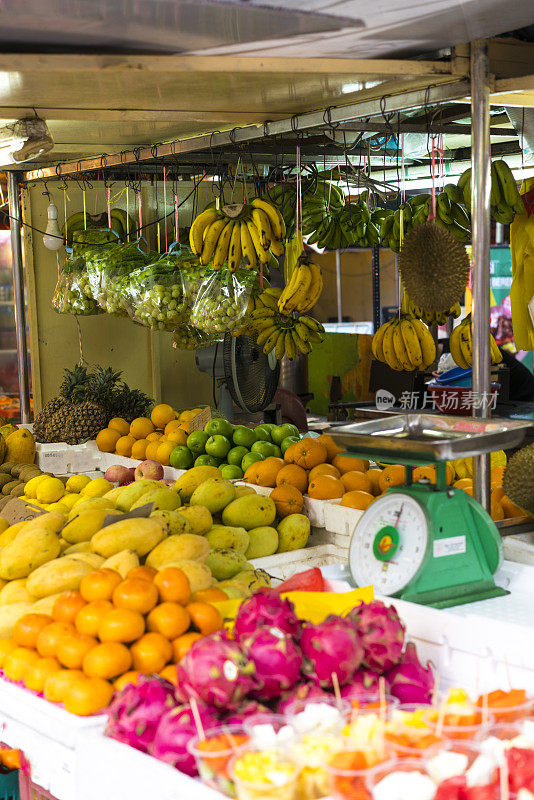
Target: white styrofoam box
{"x": 283, "y": 565}
{"x": 341, "y": 520}
{"x": 61, "y": 458}
{"x": 519, "y": 548}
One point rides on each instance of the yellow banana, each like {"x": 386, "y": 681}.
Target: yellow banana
{"x": 261, "y": 221}
{"x": 376, "y": 344}
{"x": 496, "y": 355}
{"x": 315, "y": 289}
{"x": 465, "y": 344}
{"x": 223, "y": 243}
{"x": 279, "y": 348}
{"x": 303, "y": 284}
{"x": 271, "y": 341}
{"x": 428, "y": 346}
{"x": 389, "y": 350}
{"x": 277, "y": 248}
{"x": 303, "y": 346}
{"x": 269, "y": 301}
{"x": 234, "y": 250}
{"x": 411, "y": 343}
{"x": 400, "y": 349}
{"x": 276, "y": 220}
{"x": 247, "y": 246}
{"x": 199, "y": 225}
{"x": 266, "y": 333}
{"x": 263, "y": 255}
{"x": 290, "y": 346}
{"x": 211, "y": 239}
{"x": 456, "y": 350}
{"x": 274, "y": 291}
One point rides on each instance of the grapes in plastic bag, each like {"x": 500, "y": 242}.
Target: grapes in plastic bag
{"x": 71, "y": 294}
{"x": 222, "y": 301}
{"x": 95, "y": 246}
{"x": 115, "y": 272}
{"x": 187, "y": 337}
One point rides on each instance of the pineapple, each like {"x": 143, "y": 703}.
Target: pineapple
{"x": 130, "y": 403}
{"x": 49, "y": 422}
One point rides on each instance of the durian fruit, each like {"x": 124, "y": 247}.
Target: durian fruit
{"x": 518, "y": 479}
{"x": 434, "y": 267}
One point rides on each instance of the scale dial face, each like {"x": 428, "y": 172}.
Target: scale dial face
{"x": 390, "y": 543}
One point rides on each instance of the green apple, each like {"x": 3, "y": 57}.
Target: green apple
{"x": 181, "y": 458}
{"x": 218, "y": 446}
{"x": 236, "y": 455}
{"x": 196, "y": 442}
{"x": 207, "y": 461}
{"x": 268, "y": 425}
{"x": 220, "y": 427}
{"x": 250, "y": 459}
{"x": 231, "y": 472}
{"x": 243, "y": 436}
{"x": 288, "y": 441}
{"x": 281, "y": 432}
{"x": 277, "y": 451}
{"x": 265, "y": 449}
{"x": 262, "y": 434}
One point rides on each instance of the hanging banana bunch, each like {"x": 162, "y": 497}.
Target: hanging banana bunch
{"x": 404, "y": 344}
{"x": 461, "y": 346}
{"x": 429, "y": 317}
{"x": 304, "y": 288}
{"x": 505, "y": 198}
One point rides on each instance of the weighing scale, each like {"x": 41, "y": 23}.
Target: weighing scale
{"x": 426, "y": 543}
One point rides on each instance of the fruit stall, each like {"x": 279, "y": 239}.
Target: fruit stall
{"x": 198, "y": 592}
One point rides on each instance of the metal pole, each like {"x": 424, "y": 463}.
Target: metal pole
{"x": 375, "y": 279}
{"x": 480, "y": 213}
{"x": 338, "y": 287}
{"x": 18, "y": 295}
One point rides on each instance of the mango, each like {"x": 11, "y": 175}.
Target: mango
{"x": 9, "y": 615}
{"x": 293, "y": 533}
{"x": 15, "y": 592}
{"x": 20, "y": 447}
{"x": 63, "y": 545}
{"x": 141, "y": 535}
{"x": 131, "y": 493}
{"x": 96, "y": 488}
{"x": 93, "y": 559}
{"x": 232, "y": 591}
{"x": 198, "y": 574}
{"x": 185, "y": 546}
{"x": 122, "y": 562}
{"x": 174, "y": 521}
{"x": 199, "y": 518}
{"x": 252, "y": 579}
{"x": 262, "y": 542}
{"x": 242, "y": 491}
{"x": 164, "y": 499}
{"x": 30, "y": 550}
{"x": 79, "y": 547}
{"x": 190, "y": 480}
{"x": 57, "y": 576}
{"x": 51, "y": 522}
{"x": 250, "y": 511}
{"x": 11, "y": 533}
{"x": 224, "y": 564}
{"x": 215, "y": 494}
{"x": 113, "y": 494}
{"x": 222, "y": 537}
{"x": 90, "y": 504}
{"x": 84, "y": 525}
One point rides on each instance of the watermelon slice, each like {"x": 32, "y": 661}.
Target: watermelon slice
{"x": 311, "y": 580}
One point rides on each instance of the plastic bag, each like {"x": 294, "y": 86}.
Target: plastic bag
{"x": 115, "y": 273}
{"x": 187, "y": 337}
{"x": 222, "y": 300}
{"x": 95, "y": 247}
{"x": 72, "y": 294}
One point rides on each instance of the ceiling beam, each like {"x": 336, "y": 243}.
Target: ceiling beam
{"x": 413, "y": 127}
{"x": 133, "y": 115}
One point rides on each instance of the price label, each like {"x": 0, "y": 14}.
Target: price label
{"x": 20, "y": 511}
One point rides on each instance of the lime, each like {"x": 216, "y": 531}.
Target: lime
{"x": 281, "y": 432}
{"x": 207, "y": 461}
{"x": 265, "y": 449}
{"x": 250, "y": 459}
{"x": 196, "y": 442}
{"x": 181, "y": 458}
{"x": 220, "y": 427}
{"x": 262, "y": 434}
{"x": 236, "y": 455}
{"x": 288, "y": 441}
{"x": 231, "y": 472}
{"x": 243, "y": 436}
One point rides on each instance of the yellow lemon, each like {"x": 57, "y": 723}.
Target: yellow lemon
{"x": 77, "y": 482}
{"x": 97, "y": 488}
{"x": 50, "y": 490}
{"x": 31, "y": 487}
{"x": 69, "y": 499}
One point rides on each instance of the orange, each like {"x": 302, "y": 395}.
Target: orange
{"x": 107, "y": 661}
{"x": 124, "y": 446}
{"x": 357, "y": 499}
{"x": 177, "y": 436}
{"x": 107, "y": 439}
{"x": 325, "y": 487}
{"x": 151, "y": 652}
{"x": 6, "y": 647}
{"x": 162, "y": 414}
{"x": 429, "y": 471}
{"x": 73, "y": 648}
{"x": 181, "y": 645}
{"x": 308, "y": 453}
{"x": 510, "y": 508}
{"x": 37, "y": 674}
{"x": 132, "y": 676}
{"x": 170, "y": 674}
{"x": 323, "y": 469}
{"x": 141, "y": 427}
{"x": 154, "y": 437}
{"x": 289, "y": 454}
{"x": 99, "y": 584}
{"x": 374, "y": 477}
{"x": 173, "y": 585}
{"x": 135, "y": 594}
{"x": 187, "y": 416}
{"x": 463, "y": 483}
{"x": 169, "y": 619}
{"x": 212, "y": 595}
{"x": 119, "y": 424}
{"x": 173, "y": 425}
{"x": 346, "y": 463}
{"x": 18, "y": 662}
{"x": 497, "y": 494}
{"x": 28, "y": 627}
{"x": 56, "y": 684}
{"x": 205, "y": 617}
{"x": 268, "y": 470}
{"x": 67, "y": 606}
{"x": 152, "y": 451}
{"x": 121, "y": 625}
{"x": 139, "y": 449}
{"x": 294, "y": 476}
{"x": 332, "y": 449}
{"x": 251, "y": 474}
{"x": 184, "y": 426}
{"x": 11, "y": 758}
{"x": 357, "y": 481}
{"x": 89, "y": 617}
{"x": 49, "y": 638}
{"x": 394, "y": 475}
{"x": 87, "y": 696}
{"x": 145, "y": 573}
{"x": 163, "y": 453}
{"x": 287, "y": 499}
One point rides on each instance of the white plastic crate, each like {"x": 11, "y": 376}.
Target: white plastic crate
{"x": 283, "y": 565}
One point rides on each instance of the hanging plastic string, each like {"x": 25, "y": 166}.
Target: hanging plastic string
{"x": 140, "y": 214}
{"x": 176, "y": 226}
{"x": 84, "y": 211}
{"x": 441, "y": 162}
{"x": 108, "y": 203}
{"x": 165, "y": 205}
{"x": 65, "y": 211}
{"x": 127, "y": 213}
{"x": 298, "y": 206}
{"x": 433, "y": 174}
{"x": 96, "y": 192}
{"x": 403, "y": 171}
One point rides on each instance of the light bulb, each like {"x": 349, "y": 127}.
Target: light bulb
{"x": 53, "y": 238}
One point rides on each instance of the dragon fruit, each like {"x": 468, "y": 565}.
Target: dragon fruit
{"x": 381, "y": 633}
{"x": 277, "y": 659}
{"x": 134, "y": 713}
{"x": 298, "y": 696}
{"x": 174, "y": 732}
{"x": 331, "y": 646}
{"x": 216, "y": 672}
{"x": 410, "y": 681}
{"x": 266, "y": 609}
{"x": 364, "y": 683}
{"x": 249, "y": 709}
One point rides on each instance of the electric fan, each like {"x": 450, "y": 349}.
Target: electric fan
{"x": 246, "y": 377}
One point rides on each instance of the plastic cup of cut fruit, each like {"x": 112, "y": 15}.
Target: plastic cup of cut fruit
{"x": 459, "y": 726}
{"x": 410, "y": 773}
{"x": 348, "y": 769}
{"x": 267, "y": 730}
{"x": 501, "y": 730}
{"x": 214, "y": 753}
{"x": 508, "y": 706}
{"x": 469, "y": 750}
{"x": 413, "y": 736}
{"x": 371, "y": 701}
{"x": 318, "y": 715}
{"x": 263, "y": 775}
